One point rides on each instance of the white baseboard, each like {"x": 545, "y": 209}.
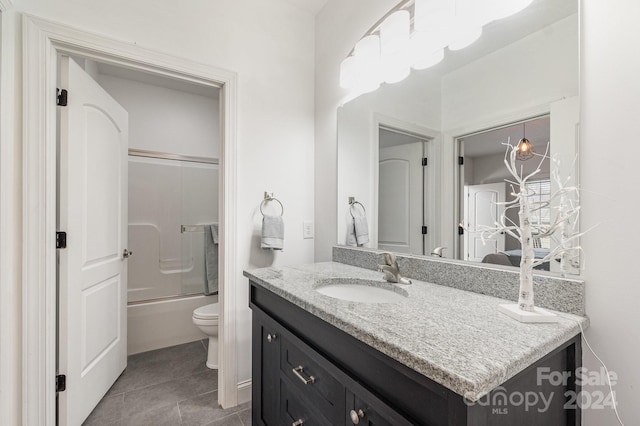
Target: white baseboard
{"x": 244, "y": 391}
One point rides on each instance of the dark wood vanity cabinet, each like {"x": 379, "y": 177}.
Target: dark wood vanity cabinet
{"x": 308, "y": 372}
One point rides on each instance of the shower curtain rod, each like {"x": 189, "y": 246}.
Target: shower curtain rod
{"x": 178, "y": 157}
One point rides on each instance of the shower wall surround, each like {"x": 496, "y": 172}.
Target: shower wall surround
{"x": 163, "y": 196}
{"x": 551, "y": 291}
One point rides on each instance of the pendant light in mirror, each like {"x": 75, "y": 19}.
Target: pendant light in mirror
{"x": 525, "y": 147}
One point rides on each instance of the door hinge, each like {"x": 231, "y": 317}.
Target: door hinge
{"x": 61, "y": 240}
{"x": 424, "y": 161}
{"x": 61, "y": 383}
{"x": 460, "y": 161}
{"x": 460, "y": 230}
{"x": 61, "y": 97}
{"x": 424, "y": 230}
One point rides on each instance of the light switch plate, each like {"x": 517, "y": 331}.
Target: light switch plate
{"x": 307, "y": 229}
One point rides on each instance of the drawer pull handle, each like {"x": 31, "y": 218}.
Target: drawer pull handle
{"x": 298, "y": 422}
{"x": 356, "y": 416}
{"x": 298, "y": 372}
{"x": 271, "y": 337}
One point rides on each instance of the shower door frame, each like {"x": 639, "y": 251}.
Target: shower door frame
{"x": 42, "y": 42}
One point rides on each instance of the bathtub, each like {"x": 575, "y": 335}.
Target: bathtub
{"x": 162, "y": 323}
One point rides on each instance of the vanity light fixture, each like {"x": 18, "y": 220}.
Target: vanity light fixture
{"x": 394, "y": 46}
{"x": 414, "y": 35}
{"x": 525, "y": 147}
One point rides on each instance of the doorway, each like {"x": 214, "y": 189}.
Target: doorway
{"x": 141, "y": 147}
{"x": 402, "y": 191}
{"x": 43, "y": 42}
{"x": 483, "y": 187}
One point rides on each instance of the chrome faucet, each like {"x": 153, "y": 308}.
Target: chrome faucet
{"x": 391, "y": 270}
{"x": 437, "y": 252}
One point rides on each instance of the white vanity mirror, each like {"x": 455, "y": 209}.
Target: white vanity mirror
{"x": 424, "y": 157}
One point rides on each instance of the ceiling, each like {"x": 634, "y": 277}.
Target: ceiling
{"x": 158, "y": 80}
{"x": 312, "y": 6}
{"x": 491, "y": 142}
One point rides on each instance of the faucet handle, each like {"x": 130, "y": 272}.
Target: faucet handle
{"x": 389, "y": 258}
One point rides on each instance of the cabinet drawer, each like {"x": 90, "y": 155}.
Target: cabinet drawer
{"x": 295, "y": 410}
{"x": 304, "y": 370}
{"x": 369, "y": 410}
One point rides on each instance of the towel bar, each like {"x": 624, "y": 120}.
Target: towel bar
{"x": 268, "y": 196}
{"x": 193, "y": 228}
{"x": 353, "y": 202}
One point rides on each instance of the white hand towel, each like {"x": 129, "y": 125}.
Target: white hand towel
{"x": 214, "y": 233}
{"x": 272, "y": 232}
{"x": 362, "y": 230}
{"x": 351, "y": 234}
{"x": 211, "y": 259}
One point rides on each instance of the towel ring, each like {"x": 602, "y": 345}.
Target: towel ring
{"x": 351, "y": 207}
{"x": 271, "y": 199}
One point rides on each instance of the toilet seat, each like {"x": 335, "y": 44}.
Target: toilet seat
{"x": 207, "y": 312}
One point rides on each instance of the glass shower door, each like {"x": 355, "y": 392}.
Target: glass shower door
{"x": 170, "y": 201}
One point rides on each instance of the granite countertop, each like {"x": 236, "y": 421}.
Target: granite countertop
{"x": 454, "y": 337}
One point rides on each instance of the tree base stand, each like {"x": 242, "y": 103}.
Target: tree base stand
{"x": 538, "y": 314}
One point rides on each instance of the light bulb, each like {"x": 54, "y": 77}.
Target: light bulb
{"x": 427, "y": 59}
{"x": 367, "y": 54}
{"x": 394, "y": 46}
{"x": 430, "y": 14}
{"x": 467, "y": 25}
{"x": 394, "y": 32}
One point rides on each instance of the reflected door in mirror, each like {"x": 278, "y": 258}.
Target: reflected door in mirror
{"x": 400, "y": 199}
{"x": 482, "y": 209}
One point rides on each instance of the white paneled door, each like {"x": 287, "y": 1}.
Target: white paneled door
{"x": 484, "y": 205}
{"x": 400, "y": 198}
{"x": 92, "y": 319}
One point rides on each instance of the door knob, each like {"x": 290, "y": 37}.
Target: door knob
{"x": 356, "y": 416}
{"x": 126, "y": 254}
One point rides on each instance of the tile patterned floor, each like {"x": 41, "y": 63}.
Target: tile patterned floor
{"x": 170, "y": 386}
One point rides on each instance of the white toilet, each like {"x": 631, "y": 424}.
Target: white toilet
{"x": 206, "y": 318}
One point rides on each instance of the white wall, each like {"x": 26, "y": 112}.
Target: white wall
{"x": 165, "y": 119}
{"x": 536, "y": 70}
{"x": 610, "y": 102}
{"x": 10, "y": 219}
{"x": 414, "y": 102}
{"x": 339, "y": 25}
{"x": 270, "y": 45}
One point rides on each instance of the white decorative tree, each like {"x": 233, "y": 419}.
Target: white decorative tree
{"x": 562, "y": 230}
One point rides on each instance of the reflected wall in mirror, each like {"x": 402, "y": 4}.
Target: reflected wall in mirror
{"x": 415, "y": 152}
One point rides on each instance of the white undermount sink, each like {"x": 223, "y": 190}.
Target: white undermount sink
{"x": 361, "y": 290}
